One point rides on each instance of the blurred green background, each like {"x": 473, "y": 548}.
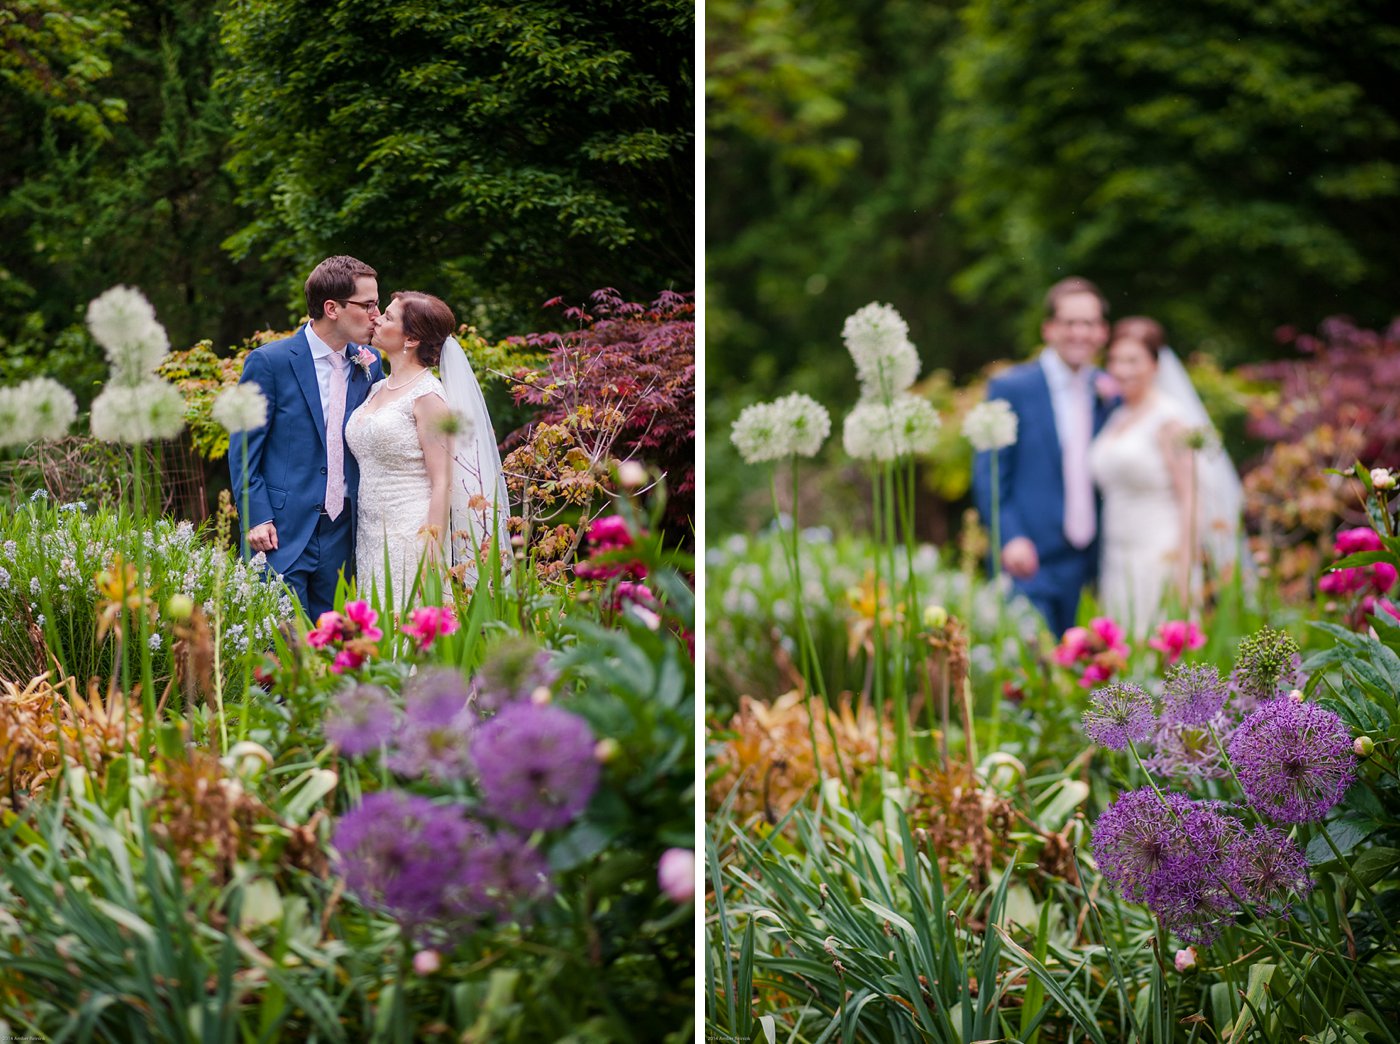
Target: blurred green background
{"x": 1229, "y": 167}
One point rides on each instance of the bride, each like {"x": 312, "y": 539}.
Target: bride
{"x": 1162, "y": 510}
{"x": 431, "y": 488}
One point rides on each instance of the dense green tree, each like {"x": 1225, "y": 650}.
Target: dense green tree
{"x": 112, "y": 172}
{"x": 494, "y": 153}
{"x": 1227, "y": 166}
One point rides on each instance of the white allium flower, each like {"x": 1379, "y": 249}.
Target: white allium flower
{"x": 151, "y": 410}
{"x": 794, "y": 424}
{"x": 878, "y": 339}
{"x": 125, "y": 324}
{"x": 805, "y": 421}
{"x": 880, "y": 431}
{"x": 16, "y": 420}
{"x": 241, "y": 408}
{"x": 52, "y": 408}
{"x": 990, "y": 425}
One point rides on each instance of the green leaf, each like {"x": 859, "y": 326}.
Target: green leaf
{"x": 1374, "y": 864}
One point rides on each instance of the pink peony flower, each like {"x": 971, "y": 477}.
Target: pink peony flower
{"x": 675, "y": 873}
{"x": 428, "y": 624}
{"x": 610, "y": 534}
{"x": 348, "y": 659}
{"x": 364, "y": 619}
{"x": 1109, "y": 633}
{"x": 1074, "y": 646}
{"x": 1176, "y": 637}
{"x": 330, "y": 627}
{"x": 1383, "y": 577}
{"x": 1096, "y": 673}
{"x": 1342, "y": 582}
{"x": 1353, "y": 541}
{"x": 631, "y": 593}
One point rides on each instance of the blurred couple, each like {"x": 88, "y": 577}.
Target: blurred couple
{"x": 421, "y": 483}
{"x": 1113, "y": 475}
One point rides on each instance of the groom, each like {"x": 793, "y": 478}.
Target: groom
{"x": 1049, "y": 510}
{"x": 302, "y": 481}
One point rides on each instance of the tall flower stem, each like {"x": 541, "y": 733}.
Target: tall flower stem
{"x": 877, "y": 659}
{"x": 994, "y": 734}
{"x": 810, "y": 661}
{"x": 148, "y": 687}
{"x": 898, "y": 688}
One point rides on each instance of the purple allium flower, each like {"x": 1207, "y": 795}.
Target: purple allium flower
{"x": 535, "y": 765}
{"x": 514, "y": 668}
{"x": 1189, "y": 890}
{"x": 1268, "y": 664}
{"x": 1119, "y": 715}
{"x": 361, "y": 720}
{"x": 402, "y": 854}
{"x": 1268, "y": 871}
{"x": 437, "y": 726}
{"x": 1189, "y": 752}
{"x": 506, "y": 875}
{"x": 1133, "y": 837}
{"x": 1294, "y": 760}
{"x": 1193, "y": 694}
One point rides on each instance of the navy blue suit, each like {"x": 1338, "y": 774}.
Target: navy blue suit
{"x": 286, "y": 468}
{"x": 1030, "y": 479}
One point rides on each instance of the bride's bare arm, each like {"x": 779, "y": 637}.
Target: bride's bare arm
{"x": 431, "y": 415}
{"x": 1171, "y": 437}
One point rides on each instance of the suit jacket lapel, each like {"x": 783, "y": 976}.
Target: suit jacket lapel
{"x": 304, "y": 366}
{"x": 1042, "y": 391}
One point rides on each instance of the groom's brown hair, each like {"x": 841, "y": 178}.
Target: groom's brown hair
{"x": 334, "y": 280}
{"x": 1072, "y": 285}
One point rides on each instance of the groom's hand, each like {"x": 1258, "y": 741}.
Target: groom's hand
{"x": 263, "y": 537}
{"x": 1019, "y": 558}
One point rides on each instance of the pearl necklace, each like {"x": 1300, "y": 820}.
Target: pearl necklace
{"x": 405, "y": 384}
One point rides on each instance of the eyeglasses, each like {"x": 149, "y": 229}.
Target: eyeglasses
{"x": 370, "y": 307}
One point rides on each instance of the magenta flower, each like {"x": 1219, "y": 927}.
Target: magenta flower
{"x": 1110, "y": 634}
{"x": 363, "y": 618}
{"x": 347, "y": 659}
{"x": 610, "y": 534}
{"x": 330, "y": 627}
{"x": 428, "y": 624}
{"x": 1383, "y": 577}
{"x": 1294, "y": 760}
{"x": 1176, "y": 637}
{"x": 1073, "y": 647}
{"x": 1354, "y": 541}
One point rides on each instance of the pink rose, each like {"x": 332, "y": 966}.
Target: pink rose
{"x": 1175, "y": 637}
{"x": 1354, "y": 541}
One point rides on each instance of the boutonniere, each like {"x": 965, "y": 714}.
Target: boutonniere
{"x": 1106, "y": 387}
{"x": 364, "y": 359}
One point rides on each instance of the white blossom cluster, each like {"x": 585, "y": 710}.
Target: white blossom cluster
{"x": 135, "y": 406}
{"x": 886, "y": 362}
{"x": 906, "y": 426}
{"x": 990, "y": 425}
{"x": 241, "y": 408}
{"x": 39, "y": 408}
{"x": 795, "y": 424}
{"x": 125, "y": 324}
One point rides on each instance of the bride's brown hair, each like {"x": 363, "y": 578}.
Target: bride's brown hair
{"x": 427, "y": 320}
{"x": 1139, "y": 328}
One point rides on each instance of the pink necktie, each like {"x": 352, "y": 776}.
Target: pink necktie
{"x": 335, "y": 445}
{"x": 1079, "y": 486}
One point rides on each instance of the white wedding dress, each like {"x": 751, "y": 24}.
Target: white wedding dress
{"x": 394, "y": 489}
{"x": 1140, "y": 533}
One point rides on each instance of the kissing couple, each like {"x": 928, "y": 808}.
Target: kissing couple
{"x": 359, "y": 474}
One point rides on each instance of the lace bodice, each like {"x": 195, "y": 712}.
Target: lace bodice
{"x": 394, "y": 486}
